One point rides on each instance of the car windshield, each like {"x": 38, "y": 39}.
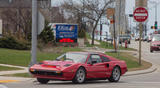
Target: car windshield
{"x": 75, "y": 57}
{"x": 156, "y": 38}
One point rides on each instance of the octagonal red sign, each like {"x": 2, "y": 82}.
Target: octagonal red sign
{"x": 140, "y": 14}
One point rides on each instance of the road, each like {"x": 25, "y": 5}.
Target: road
{"x": 150, "y": 80}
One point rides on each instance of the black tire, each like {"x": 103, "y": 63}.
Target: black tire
{"x": 42, "y": 81}
{"x": 151, "y": 51}
{"x": 80, "y": 76}
{"x": 115, "y": 76}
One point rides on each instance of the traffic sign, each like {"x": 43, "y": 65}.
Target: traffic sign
{"x": 140, "y": 14}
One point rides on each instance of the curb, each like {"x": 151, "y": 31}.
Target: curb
{"x": 149, "y": 70}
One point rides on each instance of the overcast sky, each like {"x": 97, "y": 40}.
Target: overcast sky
{"x": 129, "y": 9}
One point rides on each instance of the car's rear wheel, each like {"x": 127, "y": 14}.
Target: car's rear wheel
{"x": 115, "y": 76}
{"x": 80, "y": 76}
{"x": 151, "y": 51}
{"x": 42, "y": 81}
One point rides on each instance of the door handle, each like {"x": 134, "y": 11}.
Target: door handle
{"x": 107, "y": 65}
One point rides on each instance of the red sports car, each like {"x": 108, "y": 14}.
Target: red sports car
{"x": 79, "y": 67}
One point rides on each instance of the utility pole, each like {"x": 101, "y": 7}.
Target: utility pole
{"x": 34, "y": 32}
{"x": 101, "y": 26}
{"x": 114, "y": 34}
{"x": 119, "y": 25}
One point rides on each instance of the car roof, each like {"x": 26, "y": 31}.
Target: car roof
{"x": 85, "y": 52}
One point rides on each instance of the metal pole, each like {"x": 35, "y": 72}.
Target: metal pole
{"x": 114, "y": 34}
{"x": 100, "y": 30}
{"x": 140, "y": 48}
{"x": 34, "y": 32}
{"x": 119, "y": 26}
{"x": 140, "y": 36}
{"x": 156, "y": 12}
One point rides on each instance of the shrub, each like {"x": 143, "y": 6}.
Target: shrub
{"x": 47, "y": 34}
{"x": 12, "y": 43}
{"x": 81, "y": 33}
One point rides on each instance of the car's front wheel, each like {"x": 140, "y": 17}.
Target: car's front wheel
{"x": 42, "y": 81}
{"x": 115, "y": 76}
{"x": 151, "y": 51}
{"x": 80, "y": 76}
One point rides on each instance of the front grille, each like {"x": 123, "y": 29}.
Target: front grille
{"x": 46, "y": 73}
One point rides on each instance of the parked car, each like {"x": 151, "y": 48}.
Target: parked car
{"x": 149, "y": 38}
{"x": 155, "y": 43}
{"x": 137, "y": 38}
{"x": 109, "y": 38}
{"x": 78, "y": 67}
{"x": 123, "y": 38}
{"x": 145, "y": 38}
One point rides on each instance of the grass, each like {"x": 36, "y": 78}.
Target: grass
{"x": 23, "y": 57}
{"x": 108, "y": 45}
{"x": 5, "y": 68}
{"x": 131, "y": 61}
{"x": 26, "y": 75}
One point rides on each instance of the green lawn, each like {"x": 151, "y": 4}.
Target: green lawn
{"x": 129, "y": 59}
{"x": 22, "y": 57}
{"x": 107, "y": 45}
{"x": 5, "y": 68}
{"x": 26, "y": 75}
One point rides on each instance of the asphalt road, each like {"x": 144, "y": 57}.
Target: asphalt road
{"x": 150, "y": 80}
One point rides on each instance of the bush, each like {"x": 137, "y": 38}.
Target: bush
{"x": 47, "y": 34}
{"x": 81, "y": 33}
{"x": 12, "y": 43}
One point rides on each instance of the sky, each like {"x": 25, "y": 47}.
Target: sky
{"x": 129, "y": 10}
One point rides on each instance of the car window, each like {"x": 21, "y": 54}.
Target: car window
{"x": 95, "y": 58}
{"x": 105, "y": 59}
{"x": 75, "y": 57}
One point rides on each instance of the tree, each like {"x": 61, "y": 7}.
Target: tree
{"x": 88, "y": 10}
{"x": 47, "y": 34}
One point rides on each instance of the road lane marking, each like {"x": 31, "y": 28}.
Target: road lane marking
{"x": 7, "y": 81}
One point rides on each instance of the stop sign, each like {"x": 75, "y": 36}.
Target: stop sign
{"x": 140, "y": 14}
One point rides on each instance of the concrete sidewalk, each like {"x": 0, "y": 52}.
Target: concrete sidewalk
{"x": 5, "y": 79}
{"x": 24, "y": 70}
{"x": 95, "y": 42}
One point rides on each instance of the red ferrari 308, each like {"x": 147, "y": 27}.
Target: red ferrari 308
{"x": 79, "y": 67}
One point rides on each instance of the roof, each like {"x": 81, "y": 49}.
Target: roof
{"x": 86, "y": 52}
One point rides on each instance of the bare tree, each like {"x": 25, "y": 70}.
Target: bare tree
{"x": 19, "y": 21}
{"x": 88, "y": 10}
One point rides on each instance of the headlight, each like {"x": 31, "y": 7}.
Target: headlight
{"x": 32, "y": 70}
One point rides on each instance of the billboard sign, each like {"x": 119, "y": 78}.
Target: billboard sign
{"x": 66, "y": 32}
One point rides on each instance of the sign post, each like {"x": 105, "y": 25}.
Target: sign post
{"x": 140, "y": 15}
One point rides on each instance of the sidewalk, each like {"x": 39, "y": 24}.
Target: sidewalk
{"x": 5, "y": 79}
{"x": 25, "y": 69}
{"x": 95, "y": 42}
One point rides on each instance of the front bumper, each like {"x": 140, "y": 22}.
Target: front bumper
{"x": 52, "y": 75}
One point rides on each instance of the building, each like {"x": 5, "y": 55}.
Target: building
{"x": 16, "y": 15}
{"x": 121, "y": 19}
